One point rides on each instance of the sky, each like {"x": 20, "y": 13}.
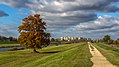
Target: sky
{"x": 75, "y": 18}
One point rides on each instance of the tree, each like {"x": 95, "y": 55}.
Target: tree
{"x": 106, "y": 38}
{"x": 33, "y": 33}
{"x": 115, "y": 42}
{"x": 52, "y": 39}
{"x": 117, "y": 38}
{"x": 110, "y": 41}
{"x": 11, "y": 38}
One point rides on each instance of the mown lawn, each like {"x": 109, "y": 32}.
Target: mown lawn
{"x": 69, "y": 55}
{"x": 110, "y": 53}
{"x": 8, "y": 45}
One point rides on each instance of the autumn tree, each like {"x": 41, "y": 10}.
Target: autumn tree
{"x": 33, "y": 33}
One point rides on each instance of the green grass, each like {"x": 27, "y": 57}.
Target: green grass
{"x": 111, "y": 54}
{"x": 8, "y": 42}
{"x": 8, "y": 45}
{"x": 69, "y": 55}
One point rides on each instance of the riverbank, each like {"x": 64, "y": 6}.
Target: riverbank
{"x": 9, "y": 45}
{"x": 12, "y": 47}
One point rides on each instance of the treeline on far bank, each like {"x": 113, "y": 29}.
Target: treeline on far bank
{"x": 58, "y": 41}
{"x": 108, "y": 41}
{"x": 8, "y": 40}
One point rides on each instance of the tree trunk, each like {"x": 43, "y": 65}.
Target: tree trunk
{"x": 34, "y": 50}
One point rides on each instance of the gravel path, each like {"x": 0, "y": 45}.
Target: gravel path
{"x": 98, "y": 59}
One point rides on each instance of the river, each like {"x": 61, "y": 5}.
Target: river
{"x": 18, "y": 47}
{"x": 8, "y": 48}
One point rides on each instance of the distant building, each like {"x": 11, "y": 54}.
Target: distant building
{"x": 79, "y": 38}
{"x": 61, "y": 38}
{"x": 67, "y": 38}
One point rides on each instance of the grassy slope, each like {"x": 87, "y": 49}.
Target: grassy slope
{"x": 111, "y": 54}
{"x": 75, "y": 57}
{"x": 8, "y": 42}
{"x": 9, "y": 45}
{"x": 70, "y": 56}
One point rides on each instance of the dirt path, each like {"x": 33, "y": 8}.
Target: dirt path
{"x": 98, "y": 59}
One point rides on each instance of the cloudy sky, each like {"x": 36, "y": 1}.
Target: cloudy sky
{"x": 77, "y": 18}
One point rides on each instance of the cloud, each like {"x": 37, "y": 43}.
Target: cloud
{"x": 16, "y": 3}
{"x": 67, "y": 20}
{"x": 103, "y": 22}
{"x": 59, "y": 6}
{"x": 60, "y": 15}
{"x": 109, "y": 8}
{"x": 8, "y": 30}
{"x": 2, "y": 13}
{"x": 96, "y": 29}
{"x": 72, "y": 16}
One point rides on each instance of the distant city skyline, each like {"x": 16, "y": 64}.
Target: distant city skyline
{"x": 74, "y": 18}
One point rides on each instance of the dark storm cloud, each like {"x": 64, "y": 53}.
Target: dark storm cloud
{"x": 2, "y": 13}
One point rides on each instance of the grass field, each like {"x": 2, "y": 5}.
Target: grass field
{"x": 8, "y": 45}
{"x": 110, "y": 53}
{"x": 69, "y": 55}
{"x": 8, "y": 42}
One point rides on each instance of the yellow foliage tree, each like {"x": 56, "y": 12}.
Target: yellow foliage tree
{"x": 33, "y": 33}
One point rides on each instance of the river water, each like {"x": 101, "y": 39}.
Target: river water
{"x": 8, "y": 48}
{"x": 18, "y": 47}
